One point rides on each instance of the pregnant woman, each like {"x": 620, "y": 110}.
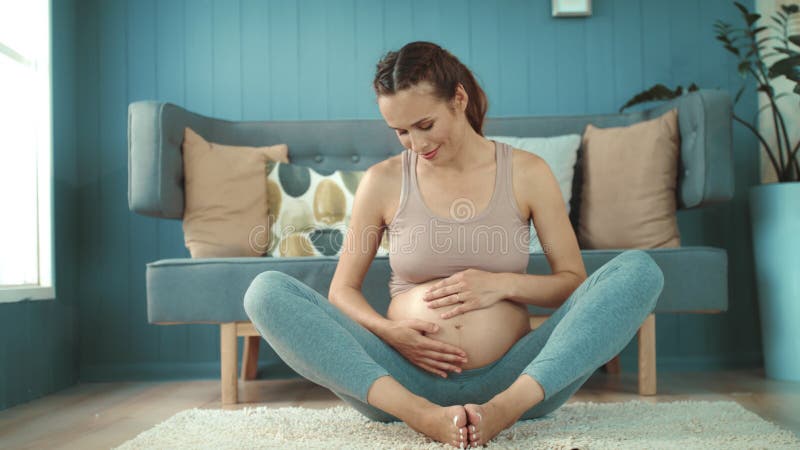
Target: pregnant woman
{"x": 455, "y": 358}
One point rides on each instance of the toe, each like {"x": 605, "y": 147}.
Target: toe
{"x": 474, "y": 415}
{"x": 460, "y": 419}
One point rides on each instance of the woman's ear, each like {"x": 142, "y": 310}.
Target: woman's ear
{"x": 461, "y": 98}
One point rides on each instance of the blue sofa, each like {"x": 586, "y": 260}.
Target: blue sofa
{"x": 185, "y": 290}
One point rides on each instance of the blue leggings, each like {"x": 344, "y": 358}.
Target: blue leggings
{"x": 321, "y": 343}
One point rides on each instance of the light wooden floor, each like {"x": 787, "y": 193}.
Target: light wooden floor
{"x": 104, "y": 415}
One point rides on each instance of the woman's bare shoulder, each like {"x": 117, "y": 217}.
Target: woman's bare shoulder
{"x": 525, "y": 167}
{"x": 389, "y": 179}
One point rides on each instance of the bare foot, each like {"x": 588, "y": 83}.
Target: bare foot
{"x": 486, "y": 421}
{"x": 446, "y": 424}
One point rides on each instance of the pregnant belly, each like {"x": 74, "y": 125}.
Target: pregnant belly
{"x": 484, "y": 334}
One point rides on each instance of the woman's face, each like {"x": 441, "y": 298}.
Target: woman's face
{"x": 423, "y": 122}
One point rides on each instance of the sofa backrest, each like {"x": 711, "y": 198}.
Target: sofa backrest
{"x": 155, "y": 133}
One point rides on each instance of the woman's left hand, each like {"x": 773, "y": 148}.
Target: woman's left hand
{"x": 474, "y": 288}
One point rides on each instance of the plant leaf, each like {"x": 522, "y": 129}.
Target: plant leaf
{"x": 785, "y": 51}
{"x": 656, "y": 92}
{"x": 766, "y": 39}
{"x": 788, "y": 67}
{"x": 744, "y": 67}
{"x": 732, "y": 49}
{"x": 795, "y": 39}
{"x": 741, "y": 7}
{"x": 776, "y": 29}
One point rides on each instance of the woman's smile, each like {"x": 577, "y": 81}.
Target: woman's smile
{"x": 431, "y": 153}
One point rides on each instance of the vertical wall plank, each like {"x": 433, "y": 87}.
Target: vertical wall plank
{"x": 484, "y": 43}
{"x": 542, "y": 81}
{"x": 398, "y": 23}
{"x": 454, "y": 25}
{"x": 113, "y": 331}
{"x": 571, "y": 71}
{"x": 369, "y": 49}
{"x": 627, "y": 50}
{"x": 513, "y": 57}
{"x": 425, "y": 21}
{"x": 313, "y": 60}
{"x": 600, "y": 69}
{"x": 341, "y": 61}
{"x": 227, "y": 65}
{"x": 255, "y": 60}
{"x": 685, "y": 54}
{"x": 656, "y": 43}
{"x": 283, "y": 47}
{"x": 88, "y": 171}
{"x": 199, "y": 54}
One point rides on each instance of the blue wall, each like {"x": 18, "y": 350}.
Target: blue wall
{"x": 261, "y": 60}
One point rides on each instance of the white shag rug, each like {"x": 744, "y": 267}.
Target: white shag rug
{"x": 581, "y": 425}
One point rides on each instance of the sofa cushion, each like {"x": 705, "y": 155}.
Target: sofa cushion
{"x": 309, "y": 212}
{"x": 212, "y": 290}
{"x": 560, "y": 153}
{"x": 629, "y": 179}
{"x": 226, "y": 196}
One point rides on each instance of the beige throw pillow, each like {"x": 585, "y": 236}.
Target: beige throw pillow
{"x": 225, "y": 186}
{"x": 629, "y": 179}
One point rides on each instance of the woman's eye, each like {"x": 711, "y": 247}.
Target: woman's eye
{"x": 425, "y": 128}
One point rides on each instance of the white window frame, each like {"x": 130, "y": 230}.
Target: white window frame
{"x": 45, "y": 289}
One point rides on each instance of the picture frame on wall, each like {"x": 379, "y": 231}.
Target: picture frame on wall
{"x": 572, "y": 8}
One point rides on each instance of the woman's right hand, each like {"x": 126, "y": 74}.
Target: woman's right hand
{"x": 407, "y": 337}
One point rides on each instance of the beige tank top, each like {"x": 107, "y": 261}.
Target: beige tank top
{"x": 424, "y": 246}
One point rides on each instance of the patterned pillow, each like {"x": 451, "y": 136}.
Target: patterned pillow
{"x": 309, "y": 213}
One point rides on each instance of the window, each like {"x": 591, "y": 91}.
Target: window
{"x": 26, "y": 270}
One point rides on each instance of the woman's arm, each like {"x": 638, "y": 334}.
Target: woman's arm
{"x": 353, "y": 303}
{"x": 361, "y": 241}
{"x": 546, "y": 291}
{"x": 542, "y": 195}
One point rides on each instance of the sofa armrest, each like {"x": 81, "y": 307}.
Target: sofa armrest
{"x": 155, "y": 163}
{"x": 705, "y": 171}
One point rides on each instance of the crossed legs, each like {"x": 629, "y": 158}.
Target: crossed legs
{"x": 536, "y": 376}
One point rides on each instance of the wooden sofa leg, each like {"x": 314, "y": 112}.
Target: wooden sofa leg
{"x": 250, "y": 357}
{"x": 612, "y": 367}
{"x": 647, "y": 356}
{"x": 227, "y": 347}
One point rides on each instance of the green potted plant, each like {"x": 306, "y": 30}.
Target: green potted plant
{"x": 774, "y": 207}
